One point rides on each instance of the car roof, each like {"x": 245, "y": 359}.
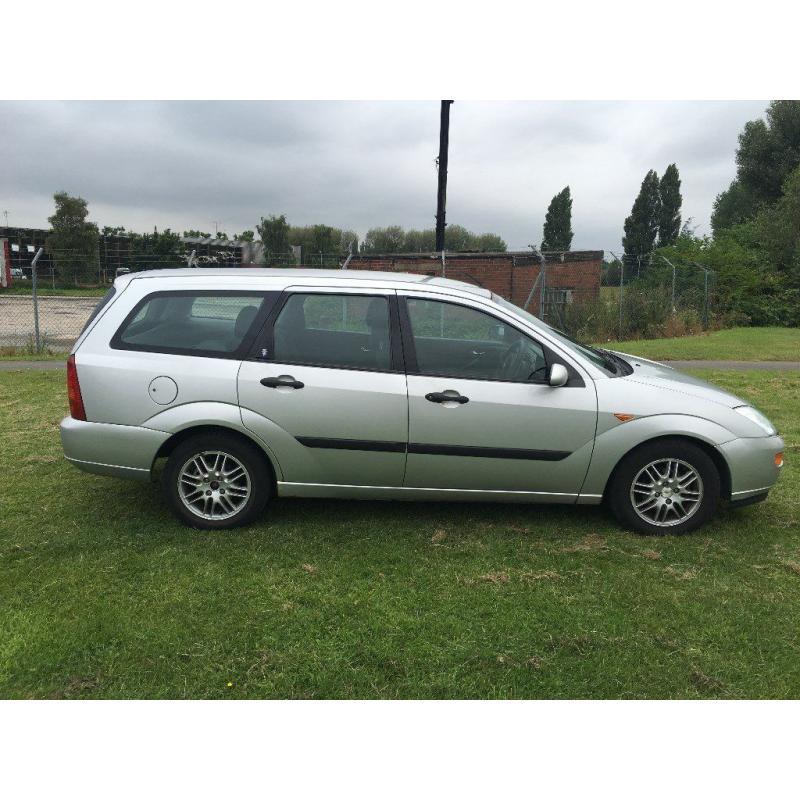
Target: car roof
{"x": 289, "y": 275}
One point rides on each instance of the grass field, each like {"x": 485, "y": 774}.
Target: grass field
{"x": 23, "y": 354}
{"x": 102, "y": 594}
{"x": 44, "y": 289}
{"x": 733, "y": 344}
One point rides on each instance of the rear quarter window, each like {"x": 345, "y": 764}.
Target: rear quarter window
{"x": 107, "y": 298}
{"x": 194, "y": 323}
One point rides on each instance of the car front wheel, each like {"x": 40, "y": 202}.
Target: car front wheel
{"x": 216, "y": 481}
{"x": 669, "y": 486}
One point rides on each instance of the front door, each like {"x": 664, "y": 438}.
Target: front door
{"x": 325, "y": 388}
{"x": 481, "y": 413}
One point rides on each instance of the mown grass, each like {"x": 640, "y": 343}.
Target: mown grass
{"x": 24, "y": 354}
{"x": 44, "y": 289}
{"x": 103, "y": 594}
{"x": 733, "y": 344}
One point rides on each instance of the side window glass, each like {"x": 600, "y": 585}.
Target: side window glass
{"x": 333, "y": 330}
{"x": 458, "y": 341}
{"x": 183, "y": 322}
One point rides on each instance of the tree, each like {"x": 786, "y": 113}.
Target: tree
{"x": 72, "y": 242}
{"x": 385, "y": 240}
{"x": 732, "y": 207}
{"x": 245, "y": 236}
{"x": 196, "y": 235}
{"x": 778, "y": 227}
{"x": 669, "y": 219}
{"x": 557, "y": 233}
{"x": 641, "y": 227}
{"x": 490, "y": 243}
{"x": 274, "y": 234}
{"x": 769, "y": 150}
{"x": 457, "y": 238}
{"x": 348, "y": 239}
{"x": 157, "y": 250}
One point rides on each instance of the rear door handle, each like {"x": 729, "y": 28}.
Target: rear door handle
{"x": 450, "y": 396}
{"x": 282, "y": 380}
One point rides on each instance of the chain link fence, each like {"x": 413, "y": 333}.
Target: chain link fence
{"x": 638, "y": 301}
{"x": 630, "y": 301}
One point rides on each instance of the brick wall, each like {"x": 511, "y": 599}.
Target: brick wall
{"x": 511, "y": 275}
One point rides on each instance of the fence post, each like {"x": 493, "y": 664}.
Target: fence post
{"x": 543, "y": 287}
{"x": 35, "y": 298}
{"x": 673, "y": 281}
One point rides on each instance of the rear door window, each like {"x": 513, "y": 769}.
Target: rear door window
{"x": 195, "y": 323}
{"x": 334, "y": 330}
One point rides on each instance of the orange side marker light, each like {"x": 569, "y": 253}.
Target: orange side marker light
{"x": 624, "y": 417}
{"x": 779, "y": 459}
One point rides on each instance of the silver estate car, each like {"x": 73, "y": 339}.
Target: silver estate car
{"x": 353, "y": 384}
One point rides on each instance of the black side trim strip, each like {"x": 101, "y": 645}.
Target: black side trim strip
{"x": 352, "y": 444}
{"x": 487, "y": 452}
{"x": 433, "y": 449}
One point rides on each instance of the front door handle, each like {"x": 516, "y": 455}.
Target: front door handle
{"x": 282, "y": 380}
{"x": 450, "y": 396}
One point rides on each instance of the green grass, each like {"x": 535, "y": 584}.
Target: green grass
{"x": 23, "y": 354}
{"x": 46, "y": 290}
{"x": 733, "y": 344}
{"x": 103, "y": 594}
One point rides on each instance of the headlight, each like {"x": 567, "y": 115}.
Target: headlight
{"x": 754, "y": 415}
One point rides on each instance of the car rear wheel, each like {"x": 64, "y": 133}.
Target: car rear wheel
{"x": 669, "y": 486}
{"x": 216, "y": 481}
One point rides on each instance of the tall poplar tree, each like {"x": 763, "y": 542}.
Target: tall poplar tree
{"x": 641, "y": 227}
{"x": 557, "y": 233}
{"x": 669, "y": 220}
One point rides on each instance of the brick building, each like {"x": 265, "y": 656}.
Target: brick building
{"x": 569, "y": 277}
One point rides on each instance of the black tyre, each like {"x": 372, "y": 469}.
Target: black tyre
{"x": 669, "y": 486}
{"x": 216, "y": 481}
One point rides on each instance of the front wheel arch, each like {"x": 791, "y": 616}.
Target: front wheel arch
{"x": 719, "y": 461}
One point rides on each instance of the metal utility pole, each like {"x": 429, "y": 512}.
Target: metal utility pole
{"x": 441, "y": 196}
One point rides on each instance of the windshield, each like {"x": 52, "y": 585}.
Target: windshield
{"x": 600, "y": 358}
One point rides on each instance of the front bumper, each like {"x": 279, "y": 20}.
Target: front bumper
{"x": 122, "y": 451}
{"x": 752, "y": 466}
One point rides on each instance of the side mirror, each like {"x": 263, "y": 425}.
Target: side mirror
{"x": 558, "y": 375}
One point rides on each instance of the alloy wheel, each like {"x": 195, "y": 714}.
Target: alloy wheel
{"x": 214, "y": 485}
{"x": 666, "y": 492}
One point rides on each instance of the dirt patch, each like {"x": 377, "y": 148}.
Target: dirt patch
{"x": 544, "y": 575}
{"x": 438, "y": 536}
{"x": 703, "y": 681}
{"x": 653, "y": 555}
{"x": 309, "y": 568}
{"x": 681, "y": 574}
{"x": 590, "y": 542}
{"x": 495, "y": 577}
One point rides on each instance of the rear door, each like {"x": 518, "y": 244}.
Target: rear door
{"x": 481, "y": 413}
{"x": 325, "y": 388}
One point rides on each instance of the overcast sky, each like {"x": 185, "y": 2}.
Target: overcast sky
{"x": 358, "y": 165}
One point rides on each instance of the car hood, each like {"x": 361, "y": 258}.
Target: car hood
{"x": 661, "y": 376}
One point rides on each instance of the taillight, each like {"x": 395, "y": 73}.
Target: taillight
{"x": 76, "y": 409}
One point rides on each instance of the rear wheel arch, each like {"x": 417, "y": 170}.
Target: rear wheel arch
{"x": 712, "y": 452}
{"x": 168, "y": 446}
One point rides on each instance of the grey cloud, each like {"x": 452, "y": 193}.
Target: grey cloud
{"x": 356, "y": 165}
